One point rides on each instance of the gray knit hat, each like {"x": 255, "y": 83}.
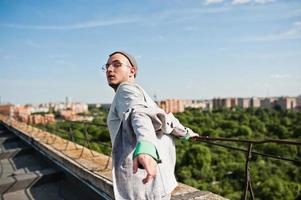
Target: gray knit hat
{"x": 131, "y": 59}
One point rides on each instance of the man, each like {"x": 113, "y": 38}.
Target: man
{"x": 142, "y": 136}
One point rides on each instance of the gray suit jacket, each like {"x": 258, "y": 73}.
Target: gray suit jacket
{"x": 134, "y": 117}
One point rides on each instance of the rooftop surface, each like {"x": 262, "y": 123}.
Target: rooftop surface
{"x": 28, "y": 174}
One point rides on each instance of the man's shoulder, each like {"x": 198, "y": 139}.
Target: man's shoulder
{"x": 129, "y": 87}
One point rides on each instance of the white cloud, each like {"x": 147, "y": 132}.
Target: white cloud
{"x": 293, "y": 33}
{"x": 263, "y": 1}
{"x": 81, "y": 25}
{"x": 207, "y": 2}
{"x": 189, "y": 13}
{"x": 280, "y": 76}
{"x": 272, "y": 55}
{"x": 298, "y": 24}
{"x": 239, "y": 2}
{"x": 167, "y": 16}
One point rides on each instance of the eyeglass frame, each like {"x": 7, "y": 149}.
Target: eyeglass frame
{"x": 106, "y": 66}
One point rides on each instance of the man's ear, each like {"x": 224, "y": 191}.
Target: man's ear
{"x": 133, "y": 71}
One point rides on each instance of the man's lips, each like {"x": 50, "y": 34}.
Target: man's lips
{"x": 110, "y": 77}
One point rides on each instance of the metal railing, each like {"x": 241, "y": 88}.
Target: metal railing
{"x": 70, "y": 136}
{"x": 249, "y": 152}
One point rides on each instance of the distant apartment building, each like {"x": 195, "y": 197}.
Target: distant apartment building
{"x": 255, "y": 102}
{"x": 96, "y": 105}
{"x": 41, "y": 119}
{"x": 49, "y": 118}
{"x": 244, "y": 102}
{"x": 219, "y": 103}
{"x": 72, "y": 116}
{"x": 81, "y": 118}
{"x": 38, "y": 114}
{"x": 209, "y": 104}
{"x": 187, "y": 102}
{"x": 35, "y": 119}
{"x": 224, "y": 102}
{"x": 23, "y": 112}
{"x": 7, "y": 110}
{"x": 268, "y": 102}
{"x": 59, "y": 106}
{"x": 298, "y": 103}
{"x": 40, "y": 109}
{"x": 74, "y": 107}
{"x": 79, "y": 107}
{"x": 287, "y": 103}
{"x": 68, "y": 102}
{"x": 203, "y": 104}
{"x": 172, "y": 105}
{"x": 70, "y": 110}
{"x": 234, "y": 102}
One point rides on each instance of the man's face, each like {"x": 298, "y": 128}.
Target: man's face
{"x": 119, "y": 70}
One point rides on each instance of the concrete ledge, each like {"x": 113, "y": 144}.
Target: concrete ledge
{"x": 198, "y": 195}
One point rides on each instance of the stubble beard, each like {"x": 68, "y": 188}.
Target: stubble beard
{"x": 114, "y": 86}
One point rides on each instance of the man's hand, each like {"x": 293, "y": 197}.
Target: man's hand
{"x": 194, "y": 135}
{"x": 149, "y": 164}
{"x": 190, "y": 134}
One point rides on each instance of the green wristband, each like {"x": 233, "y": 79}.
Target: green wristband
{"x": 145, "y": 147}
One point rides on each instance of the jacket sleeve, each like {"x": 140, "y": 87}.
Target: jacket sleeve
{"x": 166, "y": 123}
{"x": 180, "y": 130}
{"x": 130, "y": 98}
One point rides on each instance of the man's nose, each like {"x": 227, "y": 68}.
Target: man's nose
{"x": 110, "y": 68}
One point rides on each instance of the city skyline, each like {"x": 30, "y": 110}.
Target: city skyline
{"x": 159, "y": 101}
{"x": 195, "y": 49}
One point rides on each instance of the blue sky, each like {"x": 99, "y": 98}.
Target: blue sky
{"x": 197, "y": 49}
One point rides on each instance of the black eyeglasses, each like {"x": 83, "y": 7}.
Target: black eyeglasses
{"x": 115, "y": 64}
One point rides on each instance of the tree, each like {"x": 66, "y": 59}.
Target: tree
{"x": 244, "y": 131}
{"x": 278, "y": 130}
{"x": 275, "y": 188}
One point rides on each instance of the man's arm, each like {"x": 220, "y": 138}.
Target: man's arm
{"x": 166, "y": 123}
{"x": 130, "y": 97}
